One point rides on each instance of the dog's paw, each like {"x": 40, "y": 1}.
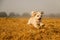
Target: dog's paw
{"x": 28, "y": 23}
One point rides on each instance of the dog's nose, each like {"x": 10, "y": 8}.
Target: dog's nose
{"x": 39, "y": 19}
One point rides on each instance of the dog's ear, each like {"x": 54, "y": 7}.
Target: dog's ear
{"x": 42, "y": 12}
{"x": 33, "y": 13}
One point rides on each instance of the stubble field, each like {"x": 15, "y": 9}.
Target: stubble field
{"x": 17, "y": 29}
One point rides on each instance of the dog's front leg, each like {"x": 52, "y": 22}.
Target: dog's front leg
{"x": 41, "y": 24}
{"x": 36, "y": 26}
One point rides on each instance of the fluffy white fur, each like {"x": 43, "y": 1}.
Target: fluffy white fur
{"x": 35, "y": 19}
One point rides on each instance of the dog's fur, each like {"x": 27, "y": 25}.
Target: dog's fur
{"x": 35, "y": 19}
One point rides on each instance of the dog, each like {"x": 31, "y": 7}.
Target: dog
{"x": 35, "y": 19}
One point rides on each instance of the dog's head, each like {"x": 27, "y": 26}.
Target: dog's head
{"x": 37, "y": 14}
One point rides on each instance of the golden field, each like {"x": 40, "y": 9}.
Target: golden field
{"x": 17, "y": 29}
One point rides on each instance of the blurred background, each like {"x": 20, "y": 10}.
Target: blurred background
{"x": 23, "y": 8}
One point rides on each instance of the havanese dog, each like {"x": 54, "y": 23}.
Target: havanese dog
{"x": 35, "y": 19}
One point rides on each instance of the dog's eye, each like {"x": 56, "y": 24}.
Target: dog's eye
{"x": 37, "y": 15}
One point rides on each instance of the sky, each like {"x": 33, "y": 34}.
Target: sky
{"x": 21, "y": 6}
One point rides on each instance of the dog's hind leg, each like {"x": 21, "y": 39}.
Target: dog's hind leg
{"x": 29, "y": 22}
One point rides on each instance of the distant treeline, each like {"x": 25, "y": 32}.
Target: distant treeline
{"x": 52, "y": 15}
{"x": 12, "y": 14}
{"x": 26, "y": 14}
